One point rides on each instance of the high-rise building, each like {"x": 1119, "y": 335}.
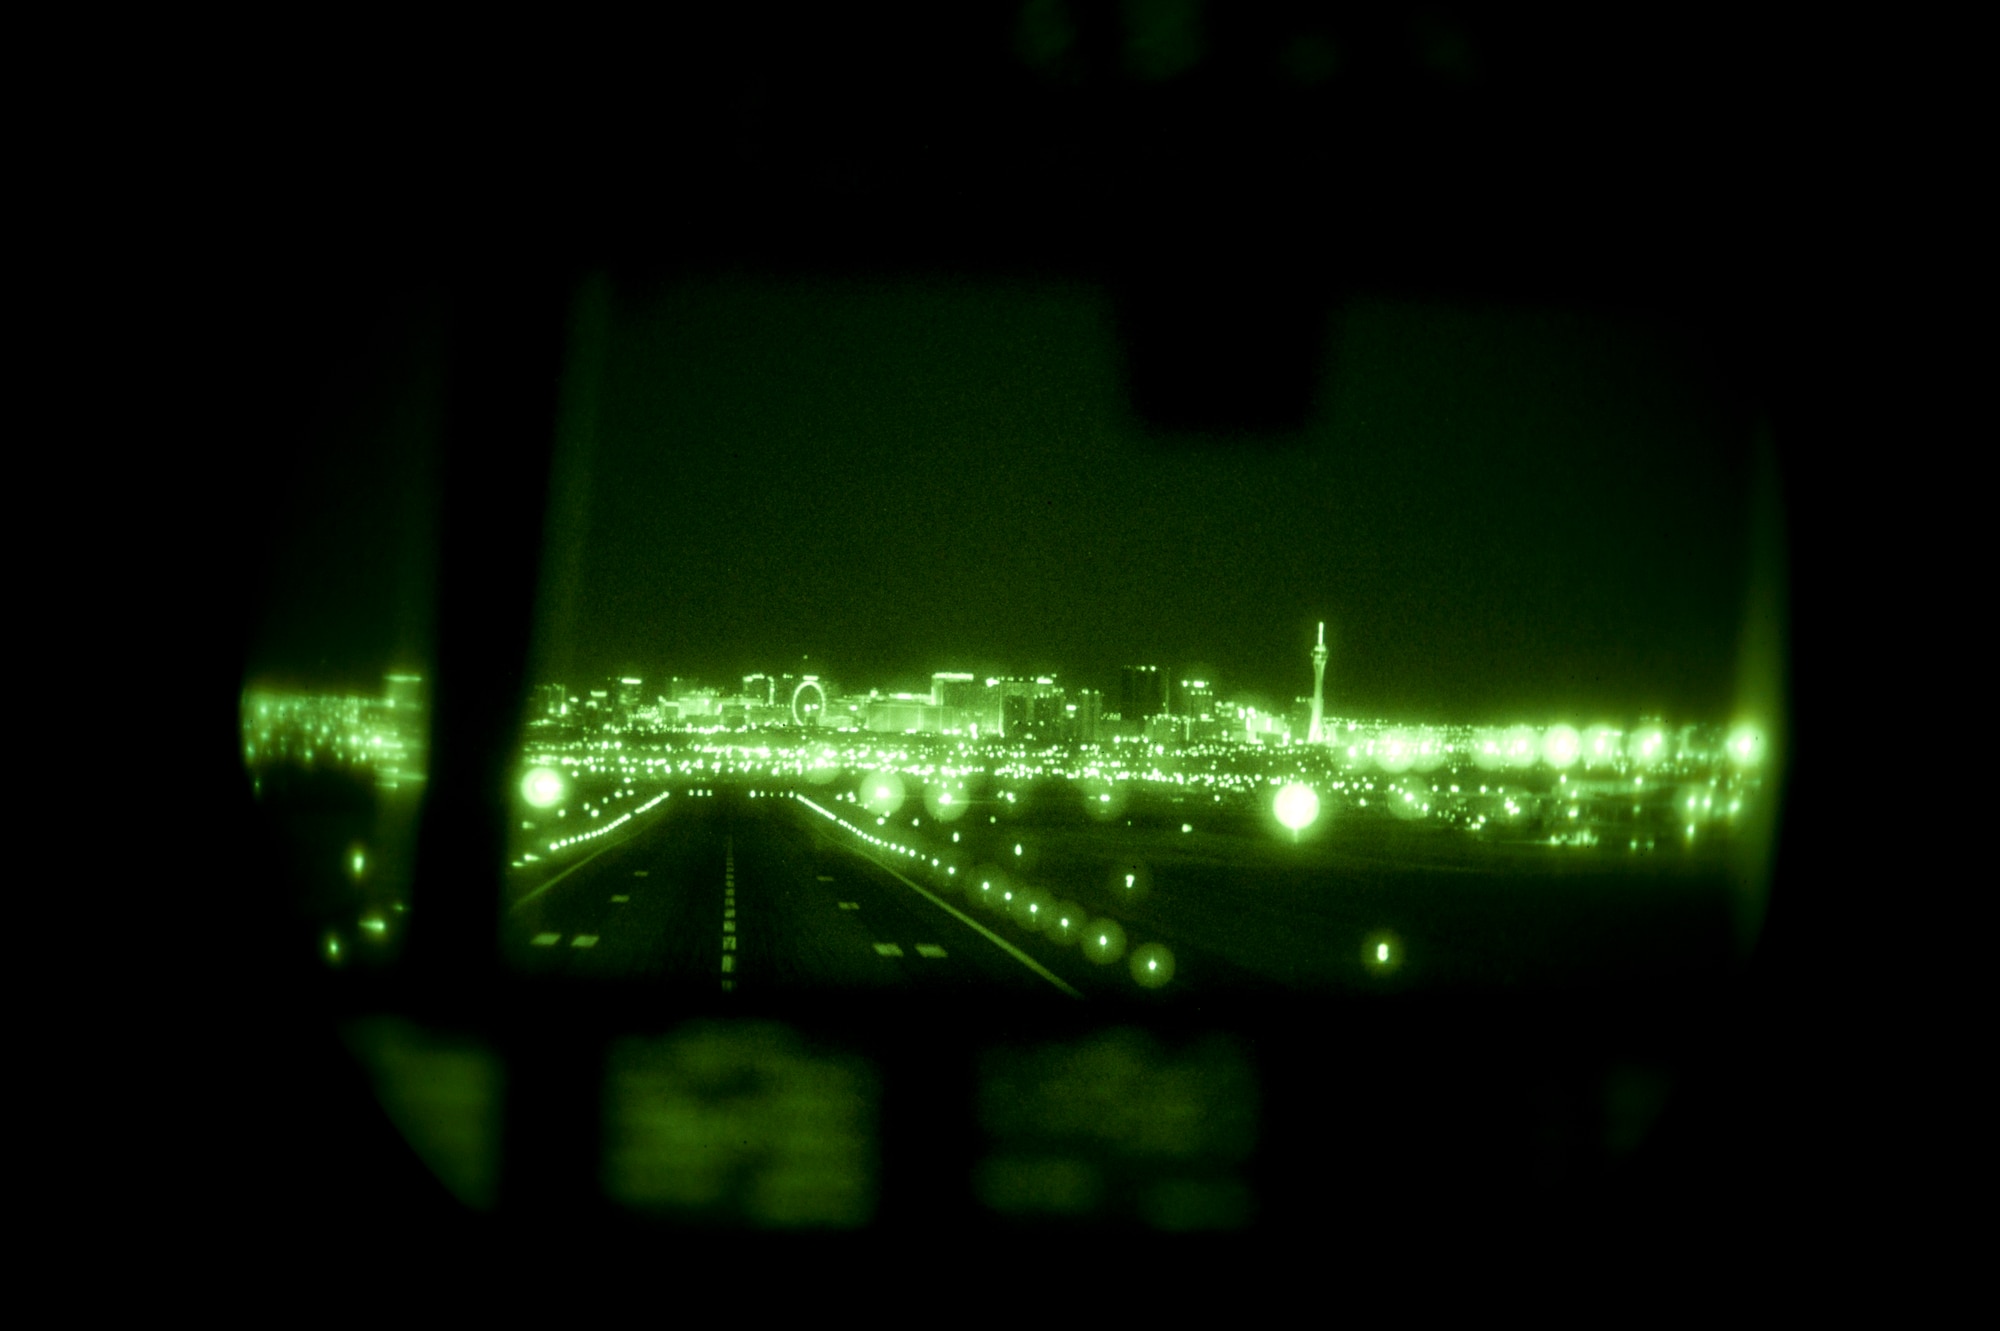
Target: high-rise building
{"x": 1027, "y": 709}
{"x": 983, "y": 717}
{"x": 956, "y": 695}
{"x": 953, "y": 689}
{"x": 1085, "y": 714}
{"x": 1014, "y": 715}
{"x": 551, "y": 700}
{"x": 1197, "y": 699}
{"x": 1045, "y": 710}
{"x": 1317, "y": 733}
{"x": 1142, "y": 694}
{"x": 760, "y": 689}
{"x": 902, "y": 713}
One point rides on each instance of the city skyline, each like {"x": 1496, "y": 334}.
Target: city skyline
{"x": 1114, "y": 692}
{"x": 390, "y": 729}
{"x": 1504, "y": 512}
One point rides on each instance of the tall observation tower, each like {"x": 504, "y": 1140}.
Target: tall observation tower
{"x": 1317, "y": 735}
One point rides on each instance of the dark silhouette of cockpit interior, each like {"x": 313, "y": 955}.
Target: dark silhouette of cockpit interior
{"x": 1229, "y": 175}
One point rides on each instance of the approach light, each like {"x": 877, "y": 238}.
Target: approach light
{"x": 1105, "y": 942}
{"x": 1382, "y": 952}
{"x": 1152, "y": 965}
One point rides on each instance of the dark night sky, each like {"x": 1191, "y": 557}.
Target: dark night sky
{"x": 1501, "y": 514}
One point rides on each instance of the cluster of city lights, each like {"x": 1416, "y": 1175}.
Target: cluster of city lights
{"x": 364, "y": 734}
{"x": 1366, "y": 765}
{"x": 1570, "y": 812}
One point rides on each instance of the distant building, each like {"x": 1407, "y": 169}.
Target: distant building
{"x": 1142, "y": 693}
{"x": 1315, "y": 726}
{"x": 1014, "y": 715}
{"x": 760, "y": 689}
{"x": 1085, "y": 715}
{"x": 1046, "y": 710}
{"x": 1026, "y": 709}
{"x": 954, "y": 689}
{"x": 1009, "y": 702}
{"x": 900, "y": 714}
{"x": 551, "y": 700}
{"x": 837, "y": 714}
{"x": 985, "y": 710}
{"x": 1262, "y": 727}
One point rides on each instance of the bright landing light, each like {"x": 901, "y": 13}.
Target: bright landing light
{"x": 1746, "y": 746}
{"x": 1561, "y": 746}
{"x": 542, "y": 788}
{"x": 1296, "y": 806}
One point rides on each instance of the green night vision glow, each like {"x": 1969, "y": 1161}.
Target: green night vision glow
{"x": 1382, "y": 953}
{"x": 1296, "y": 805}
{"x": 1104, "y": 941}
{"x": 542, "y": 788}
{"x": 1561, "y": 746}
{"x": 1747, "y": 746}
{"x": 1152, "y": 965}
